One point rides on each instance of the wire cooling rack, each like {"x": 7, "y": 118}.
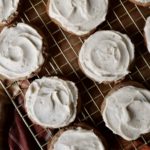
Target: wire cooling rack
{"x": 63, "y": 51}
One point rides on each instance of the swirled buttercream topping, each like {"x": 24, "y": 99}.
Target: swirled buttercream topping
{"x": 78, "y": 139}
{"x": 52, "y": 102}
{"x": 7, "y": 8}
{"x": 20, "y": 51}
{"x": 106, "y": 56}
{"x": 78, "y": 16}
{"x": 147, "y": 33}
{"x": 127, "y": 112}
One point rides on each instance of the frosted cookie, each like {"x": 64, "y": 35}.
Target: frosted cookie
{"x": 21, "y": 52}
{"x": 106, "y": 56}
{"x": 8, "y": 11}
{"x": 79, "y": 17}
{"x": 147, "y": 33}
{"x": 52, "y": 102}
{"x": 126, "y": 110}
{"x": 145, "y": 3}
{"x": 77, "y": 137}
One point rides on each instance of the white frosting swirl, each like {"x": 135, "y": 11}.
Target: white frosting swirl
{"x": 78, "y": 16}
{"x": 7, "y": 8}
{"x": 52, "y": 102}
{"x": 78, "y": 139}
{"x": 20, "y": 51}
{"x": 127, "y": 112}
{"x": 147, "y": 33}
{"x": 106, "y": 56}
{"x": 143, "y": 1}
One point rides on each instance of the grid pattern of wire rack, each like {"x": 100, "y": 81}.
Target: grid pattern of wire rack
{"x": 63, "y": 51}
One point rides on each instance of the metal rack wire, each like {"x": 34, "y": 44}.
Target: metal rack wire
{"x": 63, "y": 49}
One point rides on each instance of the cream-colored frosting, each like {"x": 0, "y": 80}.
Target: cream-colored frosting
{"x": 7, "y": 8}
{"x": 20, "y": 51}
{"x": 78, "y": 139}
{"x": 52, "y": 102}
{"x": 147, "y": 33}
{"x": 78, "y": 16}
{"x": 143, "y": 1}
{"x": 106, "y": 56}
{"x": 127, "y": 112}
